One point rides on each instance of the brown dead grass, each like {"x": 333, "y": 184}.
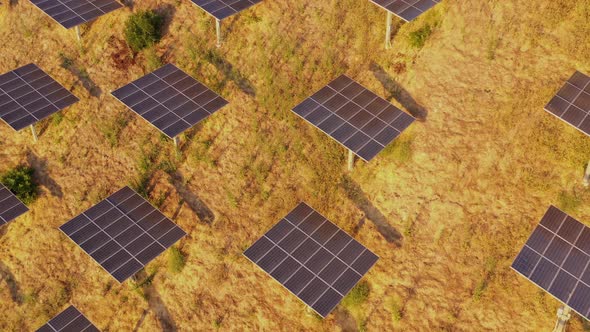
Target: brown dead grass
{"x": 483, "y": 167}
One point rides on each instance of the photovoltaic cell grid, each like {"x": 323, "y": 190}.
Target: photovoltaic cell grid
{"x": 354, "y": 116}
{"x": 556, "y": 258}
{"x": 312, "y": 258}
{"x": 123, "y": 233}
{"x": 572, "y": 102}
{"x": 10, "y": 206}
{"x": 28, "y": 95}
{"x": 406, "y": 9}
{"x": 221, "y": 9}
{"x": 170, "y": 99}
{"x": 70, "y": 320}
{"x": 70, "y": 13}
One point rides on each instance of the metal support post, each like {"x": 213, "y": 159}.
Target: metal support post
{"x": 176, "y": 141}
{"x": 563, "y": 315}
{"x": 388, "y": 31}
{"x": 350, "y": 160}
{"x": 218, "y": 27}
{"x": 34, "y": 133}
{"x": 587, "y": 176}
{"x": 78, "y": 34}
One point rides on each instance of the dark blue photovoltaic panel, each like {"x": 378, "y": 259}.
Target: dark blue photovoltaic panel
{"x": 313, "y": 258}
{"x": 123, "y": 233}
{"x": 572, "y": 103}
{"x": 170, "y": 100}
{"x": 10, "y": 206}
{"x": 70, "y": 13}
{"x": 29, "y": 95}
{"x": 407, "y": 10}
{"x": 354, "y": 116}
{"x": 69, "y": 320}
{"x": 221, "y": 9}
{"x": 556, "y": 257}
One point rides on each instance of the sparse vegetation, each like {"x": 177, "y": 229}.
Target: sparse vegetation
{"x": 21, "y": 182}
{"x": 176, "y": 260}
{"x": 418, "y": 38}
{"x": 143, "y": 30}
{"x": 358, "y": 295}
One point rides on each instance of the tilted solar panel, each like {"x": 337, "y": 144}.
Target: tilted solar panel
{"x": 354, "y": 116}
{"x": 221, "y": 9}
{"x": 556, "y": 257}
{"x": 572, "y": 103}
{"x": 313, "y": 258}
{"x": 123, "y": 233}
{"x": 406, "y": 9}
{"x": 10, "y": 206}
{"x": 69, "y": 320}
{"x": 71, "y": 13}
{"x": 28, "y": 95}
{"x": 170, "y": 100}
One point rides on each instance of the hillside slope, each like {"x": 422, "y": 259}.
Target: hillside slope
{"x": 464, "y": 187}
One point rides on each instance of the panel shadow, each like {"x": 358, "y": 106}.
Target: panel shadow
{"x": 397, "y": 92}
{"x": 360, "y": 199}
{"x": 42, "y": 175}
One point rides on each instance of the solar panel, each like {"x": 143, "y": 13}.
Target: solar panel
{"x": 572, "y": 102}
{"x": 123, "y": 233}
{"x": 313, "y": 258}
{"x": 556, "y": 257}
{"x": 354, "y": 116}
{"x": 407, "y": 10}
{"x": 71, "y": 320}
{"x": 28, "y": 95}
{"x": 221, "y": 9}
{"x": 170, "y": 99}
{"x": 10, "y": 206}
{"x": 71, "y": 13}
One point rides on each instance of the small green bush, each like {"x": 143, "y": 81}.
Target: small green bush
{"x": 21, "y": 182}
{"x": 358, "y": 295}
{"x": 418, "y": 37}
{"x": 176, "y": 260}
{"x": 143, "y": 29}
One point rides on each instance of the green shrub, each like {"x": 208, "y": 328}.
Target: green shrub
{"x": 418, "y": 37}
{"x": 143, "y": 29}
{"x": 20, "y": 181}
{"x": 358, "y": 295}
{"x": 176, "y": 260}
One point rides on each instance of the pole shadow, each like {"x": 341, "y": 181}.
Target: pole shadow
{"x": 167, "y": 11}
{"x": 82, "y": 76}
{"x": 42, "y": 175}
{"x": 397, "y": 92}
{"x": 196, "y": 204}
{"x": 155, "y": 303}
{"x": 360, "y": 199}
{"x": 13, "y": 288}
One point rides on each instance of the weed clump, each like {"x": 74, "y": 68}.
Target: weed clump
{"x": 143, "y": 30}
{"x": 418, "y": 38}
{"x": 21, "y": 182}
{"x": 176, "y": 260}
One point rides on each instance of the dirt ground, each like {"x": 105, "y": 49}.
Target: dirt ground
{"x": 446, "y": 207}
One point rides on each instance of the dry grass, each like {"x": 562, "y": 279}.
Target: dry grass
{"x": 465, "y": 186}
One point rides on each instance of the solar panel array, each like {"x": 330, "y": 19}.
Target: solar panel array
{"x": 556, "y": 257}
{"x": 170, "y": 99}
{"x": 28, "y": 95}
{"x": 312, "y": 258}
{"x": 70, "y": 13}
{"x": 71, "y": 320}
{"x": 354, "y": 116}
{"x": 572, "y": 102}
{"x": 221, "y": 9}
{"x": 10, "y": 206}
{"x": 123, "y": 233}
{"x": 406, "y": 9}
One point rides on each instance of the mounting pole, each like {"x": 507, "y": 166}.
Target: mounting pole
{"x": 34, "y": 133}
{"x": 388, "y": 31}
{"x": 563, "y": 315}
{"x": 78, "y": 33}
{"x": 176, "y": 141}
{"x": 587, "y": 176}
{"x": 350, "y": 160}
{"x": 218, "y": 28}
